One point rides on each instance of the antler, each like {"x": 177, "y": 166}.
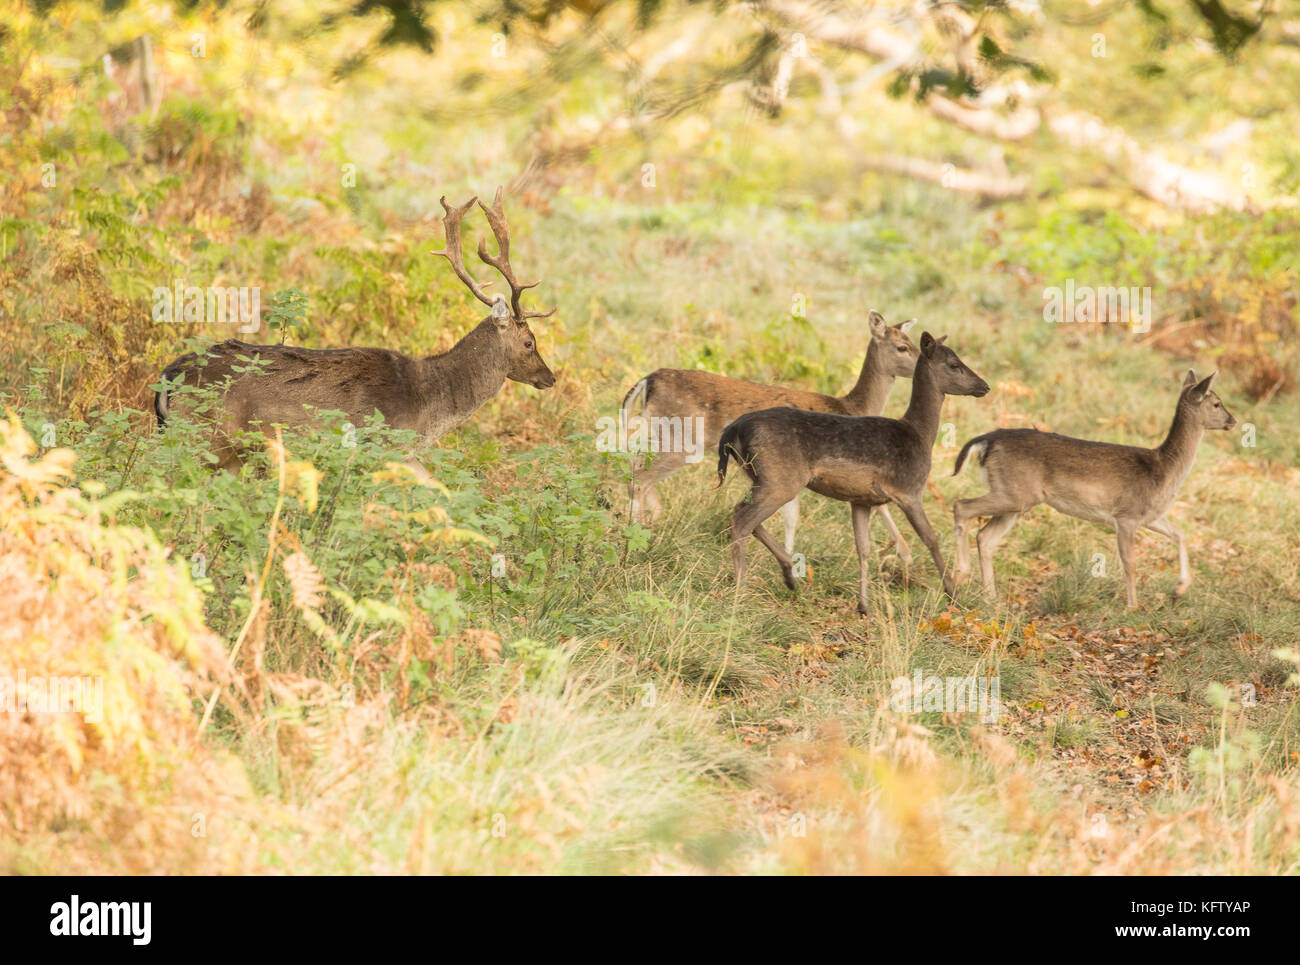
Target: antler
{"x": 497, "y": 219}
{"x": 451, "y": 228}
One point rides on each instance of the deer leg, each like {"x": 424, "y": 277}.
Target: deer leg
{"x": 963, "y": 511}
{"x": 990, "y": 535}
{"x": 229, "y": 452}
{"x": 1125, "y": 529}
{"x": 646, "y": 506}
{"x": 635, "y": 489}
{"x": 915, "y": 513}
{"x": 862, "y": 540}
{"x": 417, "y": 467}
{"x": 747, "y": 521}
{"x": 229, "y": 460}
{"x": 790, "y": 522}
{"x": 904, "y": 551}
{"x": 962, "y": 541}
{"x": 1166, "y": 528}
{"x": 782, "y": 557}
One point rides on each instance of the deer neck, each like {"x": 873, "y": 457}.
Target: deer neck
{"x": 868, "y": 395}
{"x": 459, "y": 381}
{"x": 927, "y": 399}
{"x": 1178, "y": 451}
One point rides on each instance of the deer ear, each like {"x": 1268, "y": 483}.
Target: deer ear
{"x": 904, "y": 326}
{"x": 877, "y": 323}
{"x": 927, "y": 344}
{"x": 501, "y": 313}
{"x": 1189, "y": 379}
{"x": 942, "y": 339}
{"x": 1204, "y": 385}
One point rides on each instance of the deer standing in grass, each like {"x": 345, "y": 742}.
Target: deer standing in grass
{"x": 680, "y": 394}
{"x": 428, "y": 395}
{"x": 1127, "y": 487}
{"x": 866, "y": 461}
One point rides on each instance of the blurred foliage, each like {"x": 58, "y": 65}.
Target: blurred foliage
{"x": 388, "y": 672}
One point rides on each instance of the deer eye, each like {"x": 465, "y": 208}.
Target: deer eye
{"x": 528, "y": 344}
{"x": 903, "y": 349}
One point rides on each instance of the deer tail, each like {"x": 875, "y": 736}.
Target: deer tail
{"x": 728, "y": 446}
{"x": 640, "y": 392}
{"x": 980, "y": 445}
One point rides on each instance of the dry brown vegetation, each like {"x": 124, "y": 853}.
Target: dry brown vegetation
{"x": 316, "y": 668}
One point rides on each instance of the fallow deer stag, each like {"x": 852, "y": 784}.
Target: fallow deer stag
{"x": 669, "y": 397}
{"x": 865, "y": 461}
{"x": 431, "y": 396}
{"x": 1128, "y": 487}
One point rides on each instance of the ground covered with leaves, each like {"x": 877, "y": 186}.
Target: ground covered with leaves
{"x": 327, "y": 664}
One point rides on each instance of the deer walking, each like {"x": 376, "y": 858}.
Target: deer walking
{"x": 669, "y": 397}
{"x": 428, "y": 395}
{"x": 866, "y": 461}
{"x": 1127, "y": 487}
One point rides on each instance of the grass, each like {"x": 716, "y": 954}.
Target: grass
{"x": 612, "y": 702}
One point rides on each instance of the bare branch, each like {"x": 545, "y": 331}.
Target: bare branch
{"x": 1155, "y": 176}
{"x": 984, "y": 120}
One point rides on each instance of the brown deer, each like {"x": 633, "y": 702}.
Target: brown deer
{"x": 428, "y": 395}
{"x": 866, "y": 461}
{"x": 669, "y": 397}
{"x": 1127, "y": 487}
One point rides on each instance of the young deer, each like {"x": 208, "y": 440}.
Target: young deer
{"x": 866, "y": 461}
{"x": 1127, "y": 487}
{"x": 716, "y": 400}
{"x": 428, "y": 395}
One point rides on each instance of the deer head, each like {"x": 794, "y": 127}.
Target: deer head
{"x": 524, "y": 362}
{"x": 899, "y": 353}
{"x": 1203, "y": 405}
{"x": 950, "y": 374}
